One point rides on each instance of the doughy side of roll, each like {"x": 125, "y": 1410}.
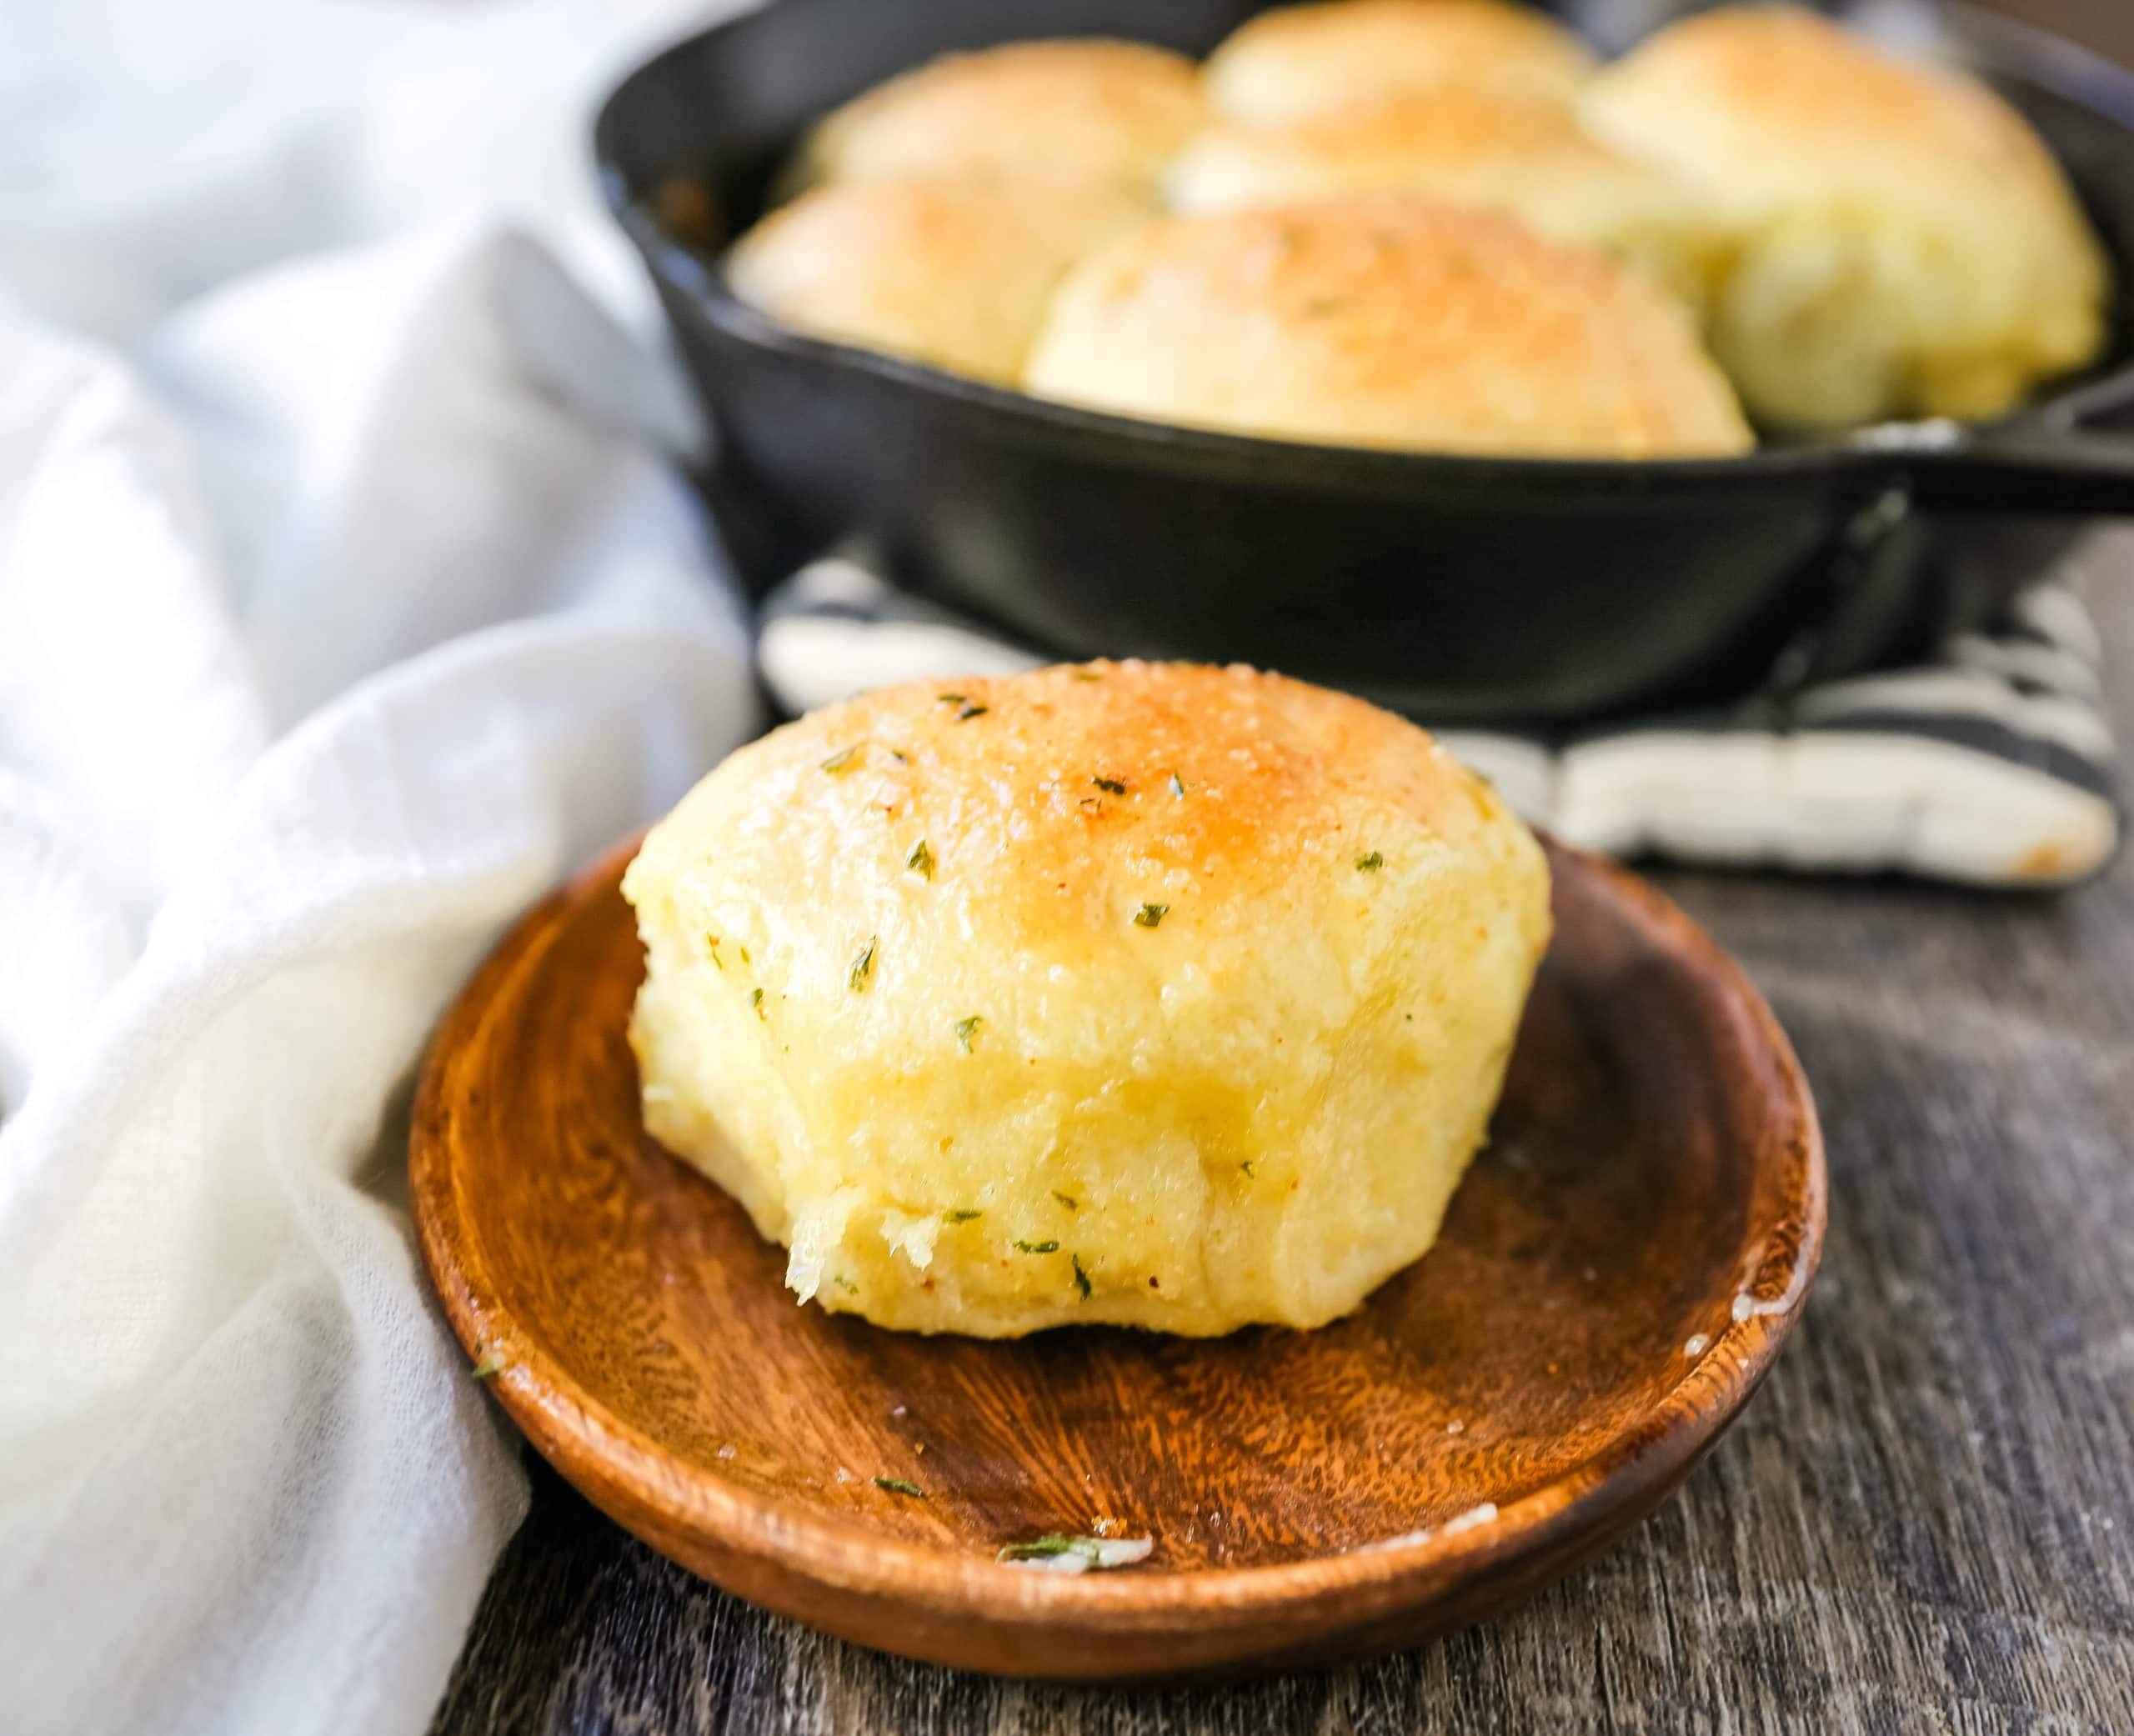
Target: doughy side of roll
{"x": 1902, "y": 241}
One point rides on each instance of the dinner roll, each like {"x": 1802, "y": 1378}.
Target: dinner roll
{"x": 1299, "y": 60}
{"x": 1152, "y": 994}
{"x": 1905, "y": 242}
{"x": 1389, "y": 322}
{"x": 1084, "y": 110}
{"x": 1530, "y": 160}
{"x": 955, "y": 275}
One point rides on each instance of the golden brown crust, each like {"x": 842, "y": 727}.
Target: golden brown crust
{"x": 953, "y": 274}
{"x": 1010, "y": 780}
{"x": 1532, "y": 161}
{"x": 1904, "y": 240}
{"x": 1298, "y": 60}
{"x": 1387, "y": 322}
{"x": 1149, "y": 994}
{"x": 1081, "y": 110}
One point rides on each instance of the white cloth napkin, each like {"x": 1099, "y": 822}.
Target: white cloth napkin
{"x": 345, "y": 605}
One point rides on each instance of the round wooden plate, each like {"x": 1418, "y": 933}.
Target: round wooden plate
{"x": 1613, "y": 1278}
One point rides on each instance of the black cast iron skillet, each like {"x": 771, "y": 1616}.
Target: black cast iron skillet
{"x": 1460, "y": 589}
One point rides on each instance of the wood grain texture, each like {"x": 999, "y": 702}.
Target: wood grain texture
{"x": 1924, "y": 1522}
{"x": 1654, "y": 1181}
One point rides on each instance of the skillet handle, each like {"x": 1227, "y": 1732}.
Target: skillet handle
{"x": 2067, "y": 460}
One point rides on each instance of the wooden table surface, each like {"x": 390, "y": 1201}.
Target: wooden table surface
{"x": 1925, "y": 1521}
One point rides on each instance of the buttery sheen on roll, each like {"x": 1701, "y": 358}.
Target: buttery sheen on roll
{"x": 1077, "y": 110}
{"x": 1299, "y": 60}
{"x": 956, "y": 274}
{"x": 1387, "y": 322}
{"x": 1902, "y": 242}
{"x": 1153, "y": 995}
{"x": 1531, "y": 161}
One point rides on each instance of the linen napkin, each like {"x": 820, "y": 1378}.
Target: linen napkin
{"x": 347, "y": 602}
{"x": 1991, "y": 762}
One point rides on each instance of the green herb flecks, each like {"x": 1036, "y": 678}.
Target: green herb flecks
{"x": 1149, "y": 915}
{"x": 1037, "y": 1248}
{"x": 491, "y": 1363}
{"x": 1063, "y": 1554}
{"x": 960, "y": 1215}
{"x": 744, "y": 955}
{"x": 953, "y": 699}
{"x": 839, "y": 761}
{"x": 1370, "y": 865}
{"x": 711, "y": 945}
{"x": 863, "y": 965}
{"x": 967, "y": 1030}
{"x": 1246, "y": 1166}
{"x": 846, "y": 1284}
{"x": 967, "y": 710}
{"x": 900, "y": 1486}
{"x": 756, "y": 1000}
{"x": 1081, "y": 1277}
{"x": 920, "y": 861}
{"x": 1111, "y": 786}
{"x": 1177, "y": 785}
{"x": 1067, "y": 1200}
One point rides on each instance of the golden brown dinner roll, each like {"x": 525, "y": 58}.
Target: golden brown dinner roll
{"x": 1082, "y": 110}
{"x": 953, "y": 274}
{"x": 1299, "y": 60}
{"x": 1389, "y": 322}
{"x": 1530, "y": 160}
{"x": 1905, "y": 242}
{"x": 1152, "y": 994}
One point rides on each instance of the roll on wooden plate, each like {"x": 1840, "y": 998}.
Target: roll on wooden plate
{"x": 1385, "y": 323}
{"x": 1152, "y": 994}
{"x": 1903, "y": 242}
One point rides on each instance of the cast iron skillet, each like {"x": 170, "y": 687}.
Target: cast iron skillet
{"x": 1459, "y": 590}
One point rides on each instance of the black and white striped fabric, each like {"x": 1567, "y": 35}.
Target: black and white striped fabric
{"x": 1992, "y": 765}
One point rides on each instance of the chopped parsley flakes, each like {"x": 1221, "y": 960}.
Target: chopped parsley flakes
{"x": 863, "y": 966}
{"x": 1111, "y": 784}
{"x": 900, "y": 1486}
{"x": 1067, "y": 1200}
{"x": 961, "y": 1214}
{"x": 967, "y": 1030}
{"x": 920, "y": 861}
{"x": 1149, "y": 915}
{"x": 1063, "y": 1554}
{"x": 842, "y": 757}
{"x": 1081, "y": 1277}
{"x": 1370, "y": 865}
{"x": 1037, "y": 1248}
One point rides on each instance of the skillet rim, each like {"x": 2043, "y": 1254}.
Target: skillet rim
{"x": 1989, "y": 44}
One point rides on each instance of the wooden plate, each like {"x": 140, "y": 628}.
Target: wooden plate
{"x": 1613, "y": 1278}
